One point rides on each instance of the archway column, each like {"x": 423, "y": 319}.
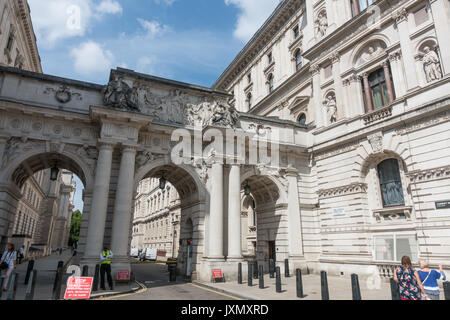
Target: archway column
{"x": 122, "y": 210}
{"x": 234, "y": 213}
{"x": 216, "y": 213}
{"x": 295, "y": 229}
{"x": 97, "y": 215}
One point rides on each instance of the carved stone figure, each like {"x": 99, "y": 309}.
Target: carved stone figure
{"x": 118, "y": 94}
{"x": 224, "y": 115}
{"x": 321, "y": 24}
{"x": 431, "y": 65}
{"x": 372, "y": 52}
{"x": 330, "y": 104}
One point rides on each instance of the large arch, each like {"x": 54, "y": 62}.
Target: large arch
{"x": 193, "y": 196}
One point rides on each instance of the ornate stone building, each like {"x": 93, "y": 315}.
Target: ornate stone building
{"x": 324, "y": 142}
{"x": 156, "y": 221}
{"x": 17, "y": 40}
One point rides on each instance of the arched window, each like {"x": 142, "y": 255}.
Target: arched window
{"x": 390, "y": 183}
{"x": 298, "y": 60}
{"x": 249, "y": 100}
{"x": 302, "y": 119}
{"x": 270, "y": 79}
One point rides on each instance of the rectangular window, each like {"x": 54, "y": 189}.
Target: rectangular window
{"x": 392, "y": 247}
{"x": 390, "y": 183}
{"x": 296, "y": 32}
{"x": 377, "y": 83}
{"x": 421, "y": 16}
{"x": 363, "y": 4}
{"x": 270, "y": 58}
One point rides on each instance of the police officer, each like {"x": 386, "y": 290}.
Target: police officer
{"x": 105, "y": 267}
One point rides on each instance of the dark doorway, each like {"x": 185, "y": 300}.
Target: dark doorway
{"x": 272, "y": 251}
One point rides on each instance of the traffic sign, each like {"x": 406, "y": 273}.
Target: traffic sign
{"x": 78, "y": 288}
{"x": 123, "y": 275}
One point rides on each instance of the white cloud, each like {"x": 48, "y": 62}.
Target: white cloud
{"x": 109, "y": 7}
{"x": 55, "y": 20}
{"x": 90, "y": 58}
{"x": 167, "y": 2}
{"x": 153, "y": 28}
{"x": 252, "y": 15}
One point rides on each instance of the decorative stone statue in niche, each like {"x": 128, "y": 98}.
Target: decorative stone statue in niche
{"x": 321, "y": 23}
{"x": 118, "y": 94}
{"x": 330, "y": 104}
{"x": 431, "y": 65}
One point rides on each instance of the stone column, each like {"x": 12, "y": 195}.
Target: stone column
{"x": 97, "y": 214}
{"x": 317, "y": 97}
{"x": 123, "y": 203}
{"x": 440, "y": 10}
{"x": 367, "y": 92}
{"x": 387, "y": 76}
{"x": 397, "y": 73}
{"x": 407, "y": 54}
{"x": 342, "y": 107}
{"x": 216, "y": 212}
{"x": 234, "y": 213}
{"x": 295, "y": 229}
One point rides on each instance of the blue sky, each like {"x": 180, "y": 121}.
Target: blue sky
{"x": 185, "y": 40}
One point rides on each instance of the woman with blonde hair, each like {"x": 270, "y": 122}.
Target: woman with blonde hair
{"x": 408, "y": 280}
{"x": 429, "y": 279}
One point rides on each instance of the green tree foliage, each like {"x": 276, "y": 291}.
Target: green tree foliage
{"x": 75, "y": 227}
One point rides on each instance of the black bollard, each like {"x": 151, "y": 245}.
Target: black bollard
{"x": 272, "y": 268}
{"x": 394, "y": 290}
{"x": 172, "y": 273}
{"x": 261, "y": 277}
{"x": 12, "y": 287}
{"x": 58, "y": 282}
{"x": 278, "y": 280}
{"x": 96, "y": 278}
{"x": 85, "y": 271}
{"x": 60, "y": 264}
{"x": 447, "y": 290}
{"x": 250, "y": 274}
{"x": 356, "y": 291}
{"x": 324, "y": 285}
{"x": 286, "y": 268}
{"x": 239, "y": 273}
{"x": 29, "y": 294}
{"x": 29, "y": 269}
{"x": 255, "y": 269}
{"x": 299, "y": 283}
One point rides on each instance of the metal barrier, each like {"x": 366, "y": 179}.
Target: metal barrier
{"x": 29, "y": 294}
{"x": 356, "y": 292}
{"x": 30, "y": 268}
{"x": 299, "y": 283}
{"x": 324, "y": 286}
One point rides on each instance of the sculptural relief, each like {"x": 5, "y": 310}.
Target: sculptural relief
{"x": 119, "y": 94}
{"x": 372, "y": 51}
{"x": 431, "y": 65}
{"x": 321, "y": 23}
{"x": 331, "y": 107}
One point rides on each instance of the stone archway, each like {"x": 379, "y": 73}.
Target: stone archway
{"x": 23, "y": 159}
{"x": 192, "y": 194}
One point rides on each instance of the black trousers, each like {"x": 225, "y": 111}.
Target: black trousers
{"x": 105, "y": 268}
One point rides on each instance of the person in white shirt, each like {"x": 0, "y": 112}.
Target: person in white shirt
{"x": 8, "y": 263}
{"x": 21, "y": 254}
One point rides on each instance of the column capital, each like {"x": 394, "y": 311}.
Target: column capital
{"x": 315, "y": 69}
{"x": 335, "y": 57}
{"x": 104, "y": 144}
{"x": 401, "y": 15}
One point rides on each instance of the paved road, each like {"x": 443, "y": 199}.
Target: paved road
{"x": 155, "y": 277}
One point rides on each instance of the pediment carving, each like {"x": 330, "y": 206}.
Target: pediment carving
{"x": 370, "y": 52}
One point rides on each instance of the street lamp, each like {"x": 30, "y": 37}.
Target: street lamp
{"x": 162, "y": 182}
{"x": 54, "y": 173}
{"x": 247, "y": 189}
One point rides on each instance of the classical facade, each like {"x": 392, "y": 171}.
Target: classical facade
{"x": 324, "y": 142}
{"x": 156, "y": 221}
{"x": 17, "y": 40}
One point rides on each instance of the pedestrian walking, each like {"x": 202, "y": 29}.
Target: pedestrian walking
{"x": 430, "y": 279}
{"x": 409, "y": 282}
{"x": 20, "y": 254}
{"x": 8, "y": 263}
{"x": 60, "y": 251}
{"x": 105, "y": 267}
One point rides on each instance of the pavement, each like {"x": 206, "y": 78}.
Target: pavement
{"x": 155, "y": 285}
{"x": 46, "y": 272}
{"x": 339, "y": 288}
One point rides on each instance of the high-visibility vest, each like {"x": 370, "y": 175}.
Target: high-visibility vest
{"x": 105, "y": 255}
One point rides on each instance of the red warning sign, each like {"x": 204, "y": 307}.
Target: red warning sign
{"x": 78, "y": 288}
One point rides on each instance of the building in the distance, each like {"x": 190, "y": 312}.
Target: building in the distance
{"x": 156, "y": 222}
